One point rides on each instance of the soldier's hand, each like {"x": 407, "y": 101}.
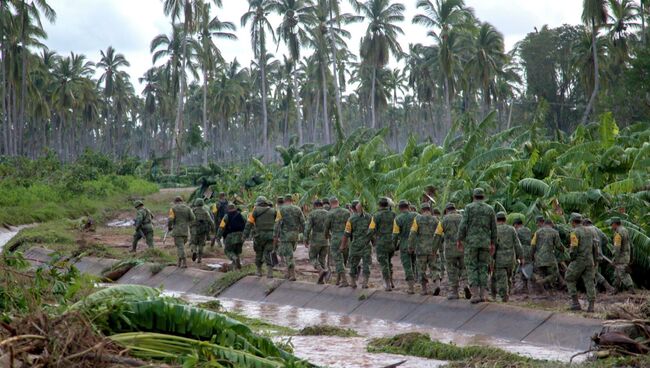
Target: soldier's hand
{"x": 492, "y": 249}
{"x": 459, "y": 246}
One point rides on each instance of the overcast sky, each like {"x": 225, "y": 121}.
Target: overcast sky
{"x": 88, "y": 26}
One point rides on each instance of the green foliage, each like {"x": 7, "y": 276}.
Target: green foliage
{"x": 230, "y": 278}
{"x": 327, "y": 330}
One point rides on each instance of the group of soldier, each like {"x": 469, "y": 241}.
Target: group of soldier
{"x": 476, "y": 246}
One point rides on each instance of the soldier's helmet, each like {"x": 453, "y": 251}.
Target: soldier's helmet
{"x": 199, "y": 202}
{"x": 615, "y": 220}
{"x": 587, "y": 221}
{"x": 354, "y": 203}
{"x": 576, "y": 217}
{"x": 450, "y": 206}
{"x": 501, "y": 215}
{"x": 261, "y": 200}
{"x": 178, "y": 199}
{"x": 137, "y": 204}
{"x": 383, "y": 202}
{"x": 539, "y": 218}
{"x": 478, "y": 192}
{"x": 333, "y": 199}
{"x": 425, "y": 206}
{"x": 288, "y": 197}
{"x": 403, "y": 203}
{"x": 231, "y": 206}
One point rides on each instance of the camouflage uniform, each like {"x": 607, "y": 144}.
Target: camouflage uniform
{"x": 508, "y": 249}
{"x": 477, "y": 231}
{"x": 231, "y": 229}
{"x": 380, "y": 231}
{"x": 334, "y": 229}
{"x": 143, "y": 226}
{"x": 316, "y": 238}
{"x": 180, "y": 218}
{"x": 621, "y": 258}
{"x": 525, "y": 237}
{"x": 545, "y": 243}
{"x": 356, "y": 229}
{"x": 202, "y": 224}
{"x": 582, "y": 264}
{"x": 261, "y": 222}
{"x": 401, "y": 232}
{"x": 426, "y": 247}
{"x": 603, "y": 240}
{"x": 289, "y": 222}
{"x": 447, "y": 232}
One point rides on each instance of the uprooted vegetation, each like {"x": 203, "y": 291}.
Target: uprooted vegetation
{"x": 328, "y": 330}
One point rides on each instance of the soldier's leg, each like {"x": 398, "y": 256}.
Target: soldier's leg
{"x": 472, "y": 266}
{"x": 200, "y": 244}
{"x": 313, "y": 257}
{"x": 346, "y": 256}
{"x": 286, "y": 251}
{"x": 501, "y": 281}
{"x": 452, "y": 273}
{"x": 483, "y": 260}
{"x": 588, "y": 278}
{"x": 353, "y": 262}
{"x": 367, "y": 261}
{"x": 337, "y": 258}
{"x": 179, "y": 241}
{"x": 573, "y": 272}
{"x": 434, "y": 265}
{"x": 258, "y": 247}
{"x": 136, "y": 238}
{"x": 405, "y": 258}
{"x": 322, "y": 256}
{"x": 623, "y": 278}
{"x": 149, "y": 237}
{"x": 421, "y": 262}
{"x": 382, "y": 258}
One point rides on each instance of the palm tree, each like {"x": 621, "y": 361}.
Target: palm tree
{"x": 622, "y": 18}
{"x": 380, "y": 40}
{"x": 446, "y": 19}
{"x": 257, "y": 16}
{"x": 594, "y": 15}
{"x": 487, "y": 60}
{"x": 110, "y": 62}
{"x": 209, "y": 56}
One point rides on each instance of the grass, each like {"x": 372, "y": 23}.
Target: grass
{"x": 261, "y": 326}
{"x": 57, "y": 234}
{"x": 328, "y": 330}
{"x": 231, "y": 278}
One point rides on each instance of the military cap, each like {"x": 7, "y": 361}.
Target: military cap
{"x": 333, "y": 199}
{"x": 425, "y": 206}
{"x": 501, "y": 215}
{"x": 383, "y": 201}
{"x": 222, "y": 194}
{"x": 231, "y": 206}
{"x": 539, "y": 218}
{"x": 260, "y": 200}
{"x": 587, "y": 220}
{"x": 615, "y": 220}
{"x": 479, "y": 192}
{"x": 354, "y": 203}
{"x": 518, "y": 221}
{"x": 178, "y": 199}
{"x": 450, "y": 206}
{"x": 280, "y": 200}
{"x": 137, "y": 204}
{"x": 325, "y": 201}
{"x": 318, "y": 203}
{"x": 403, "y": 203}
{"x": 199, "y": 202}
{"x": 576, "y": 217}
{"x": 288, "y": 197}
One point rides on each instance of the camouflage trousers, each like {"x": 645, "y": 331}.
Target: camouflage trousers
{"x": 441, "y": 263}
{"x": 477, "y": 261}
{"x": 427, "y": 262}
{"x": 263, "y": 249}
{"x": 581, "y": 270}
{"x": 233, "y": 251}
{"x": 197, "y": 243}
{"x": 407, "y": 264}
{"x": 180, "y": 241}
{"x": 501, "y": 280}
{"x": 318, "y": 255}
{"x": 285, "y": 250}
{"x": 547, "y": 275}
{"x": 148, "y": 236}
{"x": 455, "y": 270}
{"x": 357, "y": 255}
{"x": 622, "y": 278}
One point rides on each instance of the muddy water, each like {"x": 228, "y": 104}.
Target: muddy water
{"x": 6, "y": 234}
{"x": 351, "y": 352}
{"x": 120, "y": 223}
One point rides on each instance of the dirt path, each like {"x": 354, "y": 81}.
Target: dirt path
{"x": 118, "y": 237}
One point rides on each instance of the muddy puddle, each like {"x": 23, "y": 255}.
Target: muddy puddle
{"x": 351, "y": 352}
{"x": 120, "y": 223}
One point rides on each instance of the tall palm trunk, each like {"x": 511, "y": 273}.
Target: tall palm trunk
{"x": 594, "y": 54}
{"x": 447, "y": 104}
{"x": 373, "y": 121}
{"x": 337, "y": 89}
{"x": 643, "y": 35}
{"x": 178, "y": 125}
{"x": 326, "y": 120}
{"x": 265, "y": 120}
{"x": 3, "y": 97}
{"x": 296, "y": 94}
{"x": 205, "y": 117}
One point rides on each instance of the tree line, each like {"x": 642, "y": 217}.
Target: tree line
{"x": 197, "y": 107}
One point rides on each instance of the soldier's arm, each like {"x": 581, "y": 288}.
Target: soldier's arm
{"x": 372, "y": 229}
{"x": 222, "y": 227}
{"x": 192, "y": 216}
{"x": 396, "y": 233}
{"x": 439, "y": 236}
{"x": 493, "y": 228}
{"x": 278, "y": 224}
{"x": 533, "y": 246}
{"x": 301, "y": 220}
{"x": 413, "y": 236}
{"x": 139, "y": 218}
{"x": 308, "y": 226}
{"x": 346, "y": 235}
{"x": 250, "y": 222}
{"x": 462, "y": 228}
{"x": 171, "y": 219}
{"x": 518, "y": 249}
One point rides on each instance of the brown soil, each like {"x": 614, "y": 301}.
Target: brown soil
{"x": 119, "y": 239}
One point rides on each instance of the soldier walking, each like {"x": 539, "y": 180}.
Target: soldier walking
{"x": 202, "y": 224}
{"x": 426, "y": 247}
{"x": 380, "y": 232}
{"x": 143, "y": 226}
{"x": 525, "y": 236}
{"x": 544, "y": 245}
{"x": 316, "y": 239}
{"x": 447, "y": 233}
{"x": 401, "y": 232}
{"x": 261, "y": 222}
{"x": 477, "y": 235}
{"x": 507, "y": 251}
{"x": 621, "y": 260}
{"x": 178, "y": 223}
{"x": 289, "y": 222}
{"x": 231, "y": 229}
{"x": 356, "y": 232}
{"x": 582, "y": 264}
{"x": 335, "y": 222}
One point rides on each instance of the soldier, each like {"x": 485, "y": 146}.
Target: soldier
{"x": 202, "y": 225}
{"x": 231, "y": 229}
{"x": 401, "y": 232}
{"x": 477, "y": 235}
{"x": 380, "y": 232}
{"x": 545, "y": 243}
{"x": 582, "y": 264}
{"x": 326, "y": 204}
{"x": 261, "y": 222}
{"x": 178, "y": 223}
{"x": 289, "y": 222}
{"x": 335, "y": 222}
{"x": 525, "y": 236}
{"x": 507, "y": 251}
{"x": 441, "y": 260}
{"x": 447, "y": 232}
{"x": 621, "y": 260}
{"x": 143, "y": 226}
{"x": 219, "y": 209}
{"x": 425, "y": 246}
{"x": 316, "y": 239}
{"x": 356, "y": 230}
{"x": 539, "y": 221}
{"x": 600, "y": 240}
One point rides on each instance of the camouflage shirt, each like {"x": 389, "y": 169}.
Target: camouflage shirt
{"x": 525, "y": 237}
{"x": 545, "y": 243}
{"x": 315, "y": 227}
{"x": 582, "y": 245}
{"x": 180, "y": 218}
{"x": 203, "y": 220}
{"x": 478, "y": 228}
{"x": 143, "y": 219}
{"x": 262, "y": 221}
{"x": 356, "y": 229}
{"x": 402, "y": 229}
{"x": 335, "y": 224}
{"x": 289, "y": 222}
{"x": 421, "y": 239}
{"x": 381, "y": 230}
{"x": 508, "y": 247}
{"x": 447, "y": 232}
{"x": 621, "y": 246}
